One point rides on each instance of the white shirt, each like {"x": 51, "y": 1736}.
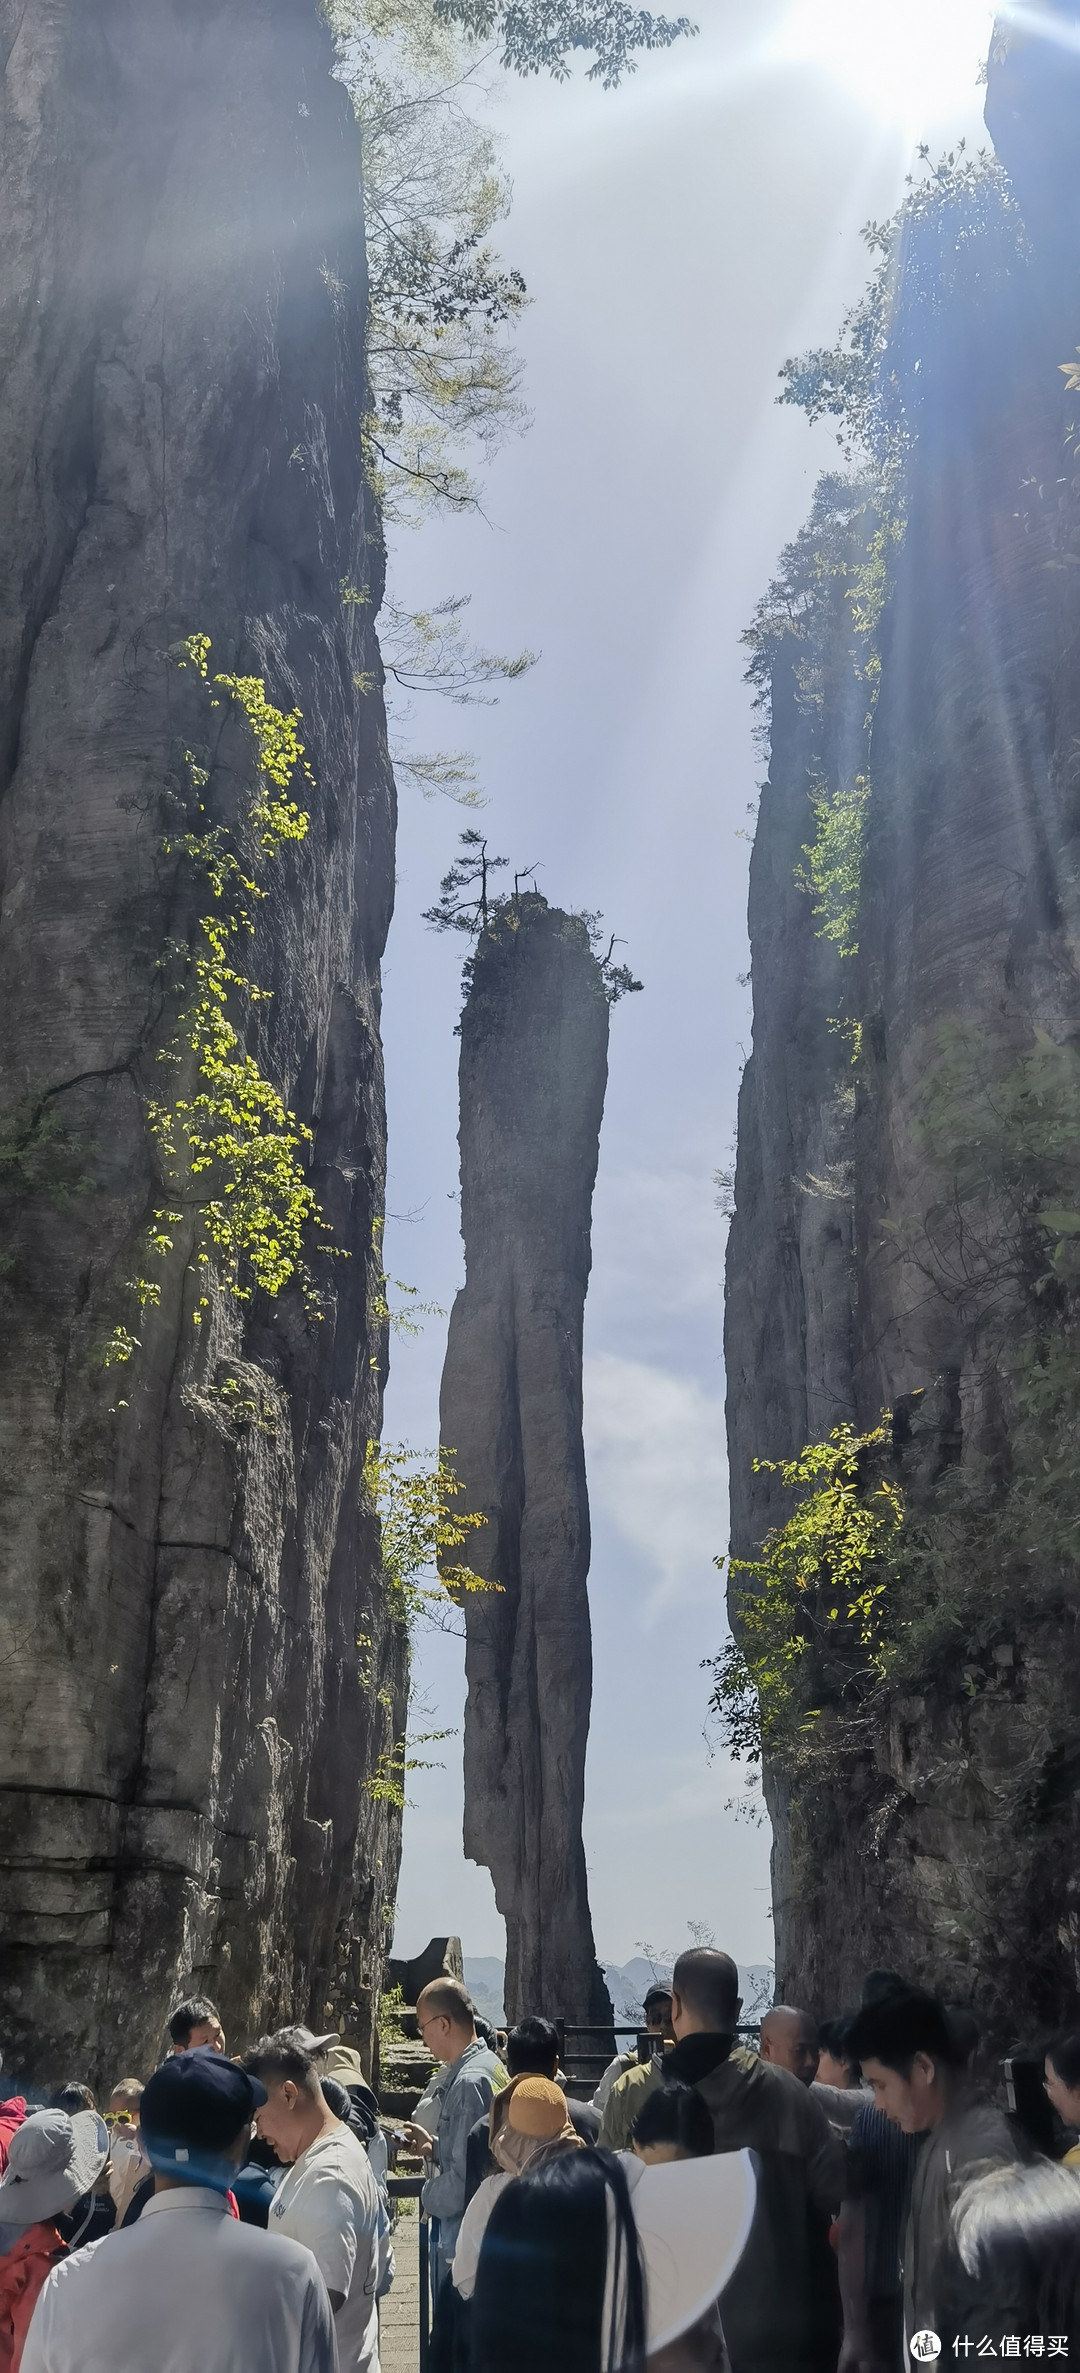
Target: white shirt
{"x": 185, "y": 2290}
{"x": 329, "y": 2200}
{"x": 614, "y": 2070}
{"x": 472, "y": 2229}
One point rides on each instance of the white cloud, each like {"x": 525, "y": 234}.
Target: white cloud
{"x": 654, "y": 1445}
{"x": 672, "y": 1213}
{"x": 682, "y": 1788}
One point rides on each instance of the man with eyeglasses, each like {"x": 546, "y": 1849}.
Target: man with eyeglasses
{"x": 444, "y": 2016}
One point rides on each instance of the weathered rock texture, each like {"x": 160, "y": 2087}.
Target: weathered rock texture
{"x": 949, "y": 1848}
{"x": 534, "y": 1037}
{"x": 186, "y": 1721}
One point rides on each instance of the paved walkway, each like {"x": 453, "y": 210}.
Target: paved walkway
{"x": 399, "y": 2312}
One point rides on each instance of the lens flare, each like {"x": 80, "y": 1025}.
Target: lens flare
{"x": 908, "y": 62}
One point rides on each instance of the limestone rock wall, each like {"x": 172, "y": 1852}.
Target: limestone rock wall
{"x": 186, "y": 1721}
{"x": 948, "y": 1846}
{"x": 533, "y": 1071}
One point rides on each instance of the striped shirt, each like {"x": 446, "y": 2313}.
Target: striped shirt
{"x": 881, "y": 2163}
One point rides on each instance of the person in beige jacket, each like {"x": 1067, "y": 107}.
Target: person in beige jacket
{"x": 529, "y": 2123}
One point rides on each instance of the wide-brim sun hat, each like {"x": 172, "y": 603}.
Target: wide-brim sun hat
{"x": 693, "y": 2218}
{"x": 53, "y": 2161}
{"x": 344, "y": 2062}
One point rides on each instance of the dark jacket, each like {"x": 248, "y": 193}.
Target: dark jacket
{"x": 780, "y": 2311}
{"x": 938, "y": 2295}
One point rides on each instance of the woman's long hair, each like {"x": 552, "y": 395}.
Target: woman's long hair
{"x": 1018, "y": 2232}
{"x": 559, "y": 2285}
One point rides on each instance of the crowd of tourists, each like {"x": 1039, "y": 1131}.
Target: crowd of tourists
{"x": 845, "y": 2198}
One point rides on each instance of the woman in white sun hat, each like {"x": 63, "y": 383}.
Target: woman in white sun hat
{"x": 584, "y": 2270}
{"x": 54, "y": 2161}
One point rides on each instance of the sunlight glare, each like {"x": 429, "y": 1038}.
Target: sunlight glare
{"x": 909, "y": 62}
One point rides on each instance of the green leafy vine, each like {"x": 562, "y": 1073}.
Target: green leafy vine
{"x": 424, "y": 1581}
{"x": 810, "y": 1617}
{"x": 834, "y": 863}
{"x": 413, "y": 1493}
{"x": 232, "y": 1154}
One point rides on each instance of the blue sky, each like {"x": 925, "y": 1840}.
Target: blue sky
{"x": 679, "y": 238}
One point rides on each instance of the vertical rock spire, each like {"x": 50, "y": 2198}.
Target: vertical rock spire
{"x": 533, "y": 1072}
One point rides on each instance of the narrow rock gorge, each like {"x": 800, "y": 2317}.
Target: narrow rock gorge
{"x": 188, "y": 1721}
{"x": 533, "y": 1071}
{"x": 908, "y": 1159}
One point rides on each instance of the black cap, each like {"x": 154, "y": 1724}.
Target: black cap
{"x": 193, "y": 2109}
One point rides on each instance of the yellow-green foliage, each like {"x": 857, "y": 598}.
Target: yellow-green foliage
{"x": 834, "y": 863}
{"x": 231, "y": 1152}
{"x": 412, "y": 1492}
{"x": 403, "y": 1318}
{"x": 387, "y": 1782}
{"x": 811, "y": 1609}
{"x": 391, "y": 2013}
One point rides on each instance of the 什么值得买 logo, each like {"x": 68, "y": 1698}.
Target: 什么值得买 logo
{"x": 924, "y": 2347}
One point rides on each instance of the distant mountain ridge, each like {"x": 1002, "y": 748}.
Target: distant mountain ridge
{"x": 627, "y": 1983}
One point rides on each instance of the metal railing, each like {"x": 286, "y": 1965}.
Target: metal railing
{"x": 409, "y": 2187}
{"x": 580, "y": 2062}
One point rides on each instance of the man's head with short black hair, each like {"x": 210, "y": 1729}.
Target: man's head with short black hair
{"x": 195, "y": 2023}
{"x": 674, "y": 2123}
{"x": 71, "y": 2098}
{"x": 911, "y": 2055}
{"x": 835, "y": 2063}
{"x": 880, "y": 1984}
{"x": 532, "y": 2048}
{"x": 278, "y": 2057}
{"x": 296, "y": 2109}
{"x": 705, "y": 1998}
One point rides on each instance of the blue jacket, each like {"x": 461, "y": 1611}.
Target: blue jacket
{"x": 465, "y": 2095}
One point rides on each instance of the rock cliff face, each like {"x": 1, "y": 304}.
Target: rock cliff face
{"x": 534, "y": 1037}
{"x": 187, "y": 1723}
{"x": 945, "y": 1841}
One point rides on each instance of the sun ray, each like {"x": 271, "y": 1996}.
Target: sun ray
{"x": 909, "y": 62}
{"x": 1044, "y": 21}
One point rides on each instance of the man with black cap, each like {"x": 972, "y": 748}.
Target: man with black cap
{"x": 657, "y": 2013}
{"x": 187, "y": 2287}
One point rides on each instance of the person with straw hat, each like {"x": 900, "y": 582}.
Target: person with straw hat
{"x": 53, "y": 2164}
{"x": 529, "y": 2123}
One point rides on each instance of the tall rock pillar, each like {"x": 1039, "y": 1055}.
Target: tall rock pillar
{"x": 534, "y": 1037}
